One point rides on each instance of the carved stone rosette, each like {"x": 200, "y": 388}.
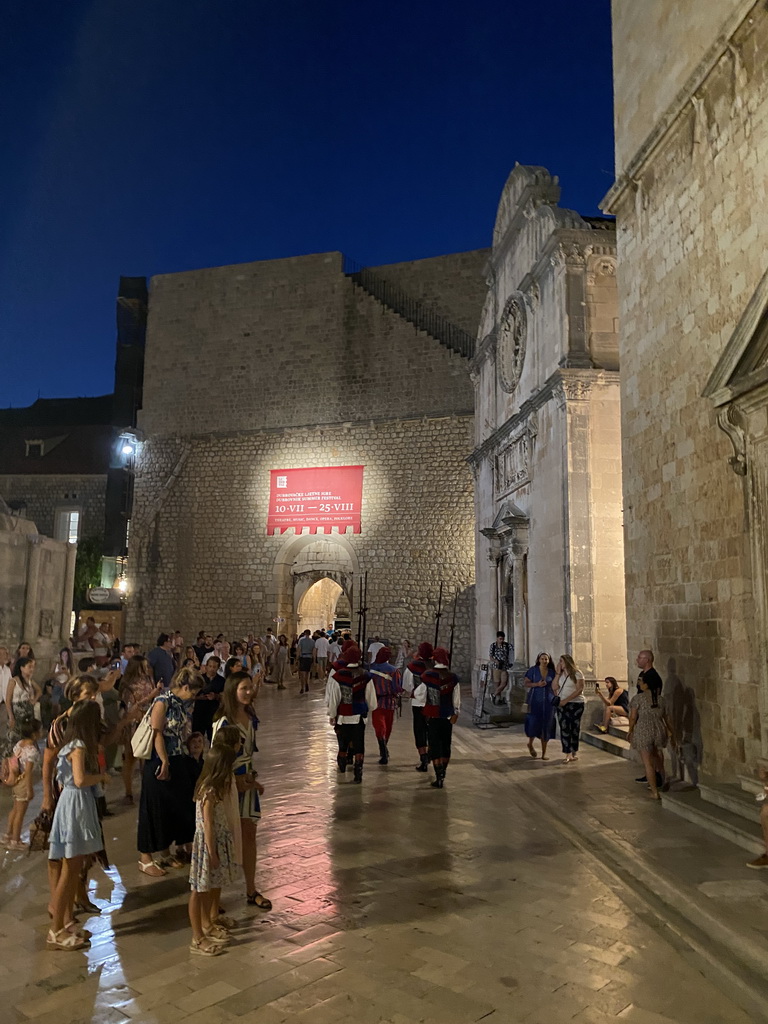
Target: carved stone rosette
{"x": 512, "y": 338}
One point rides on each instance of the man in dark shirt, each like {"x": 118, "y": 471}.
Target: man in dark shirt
{"x": 649, "y": 675}
{"x": 161, "y": 660}
{"x": 203, "y": 646}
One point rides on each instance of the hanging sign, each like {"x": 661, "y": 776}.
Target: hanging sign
{"x": 318, "y": 500}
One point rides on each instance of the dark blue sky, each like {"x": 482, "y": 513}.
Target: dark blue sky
{"x": 157, "y": 135}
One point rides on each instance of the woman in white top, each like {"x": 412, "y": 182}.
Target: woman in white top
{"x": 568, "y": 686}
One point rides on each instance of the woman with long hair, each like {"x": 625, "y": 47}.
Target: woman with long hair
{"x": 568, "y": 687}
{"x": 282, "y": 666}
{"x": 649, "y": 730}
{"x": 80, "y": 689}
{"x": 213, "y": 863}
{"x": 76, "y": 830}
{"x": 24, "y": 650}
{"x": 21, "y": 695}
{"x": 236, "y": 709}
{"x": 166, "y": 808}
{"x": 540, "y": 720}
{"x": 239, "y": 651}
{"x": 137, "y": 690}
{"x": 616, "y": 703}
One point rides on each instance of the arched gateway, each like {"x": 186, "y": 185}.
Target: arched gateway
{"x": 314, "y": 578}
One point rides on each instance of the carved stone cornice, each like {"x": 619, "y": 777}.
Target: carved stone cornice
{"x": 570, "y": 254}
{"x": 627, "y": 182}
{"x": 551, "y": 388}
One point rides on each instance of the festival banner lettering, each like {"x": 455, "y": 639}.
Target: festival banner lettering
{"x": 320, "y": 500}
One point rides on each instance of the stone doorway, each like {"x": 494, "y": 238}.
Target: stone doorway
{"x": 320, "y": 604}
{"x": 315, "y": 577}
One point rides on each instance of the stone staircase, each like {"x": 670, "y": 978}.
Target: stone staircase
{"x": 727, "y": 809}
{"x": 614, "y": 741}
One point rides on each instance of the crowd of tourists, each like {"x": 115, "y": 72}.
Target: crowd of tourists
{"x": 185, "y": 716}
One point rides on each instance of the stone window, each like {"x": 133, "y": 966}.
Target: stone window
{"x": 34, "y": 449}
{"x": 67, "y": 527}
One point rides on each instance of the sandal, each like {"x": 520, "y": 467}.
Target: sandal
{"x": 218, "y": 935}
{"x": 531, "y": 751}
{"x": 154, "y": 870}
{"x": 169, "y": 862}
{"x": 204, "y": 947}
{"x": 64, "y": 940}
{"x": 74, "y": 929}
{"x": 257, "y": 900}
{"x": 225, "y": 922}
{"x": 87, "y": 907}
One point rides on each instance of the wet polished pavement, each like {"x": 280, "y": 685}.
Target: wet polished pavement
{"x": 393, "y": 902}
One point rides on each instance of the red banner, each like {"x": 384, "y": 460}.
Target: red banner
{"x": 317, "y": 499}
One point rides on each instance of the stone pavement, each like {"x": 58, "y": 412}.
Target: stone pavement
{"x": 393, "y": 903}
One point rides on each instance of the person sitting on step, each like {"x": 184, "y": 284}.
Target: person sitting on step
{"x": 616, "y": 703}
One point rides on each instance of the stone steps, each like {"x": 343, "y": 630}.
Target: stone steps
{"x": 691, "y": 805}
{"x": 733, "y": 798}
{"x": 613, "y": 741}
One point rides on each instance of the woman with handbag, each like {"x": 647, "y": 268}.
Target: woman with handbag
{"x": 138, "y": 690}
{"x": 568, "y": 687}
{"x": 166, "y": 808}
{"x": 540, "y": 720}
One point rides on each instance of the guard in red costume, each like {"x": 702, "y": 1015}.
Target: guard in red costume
{"x": 350, "y": 696}
{"x": 386, "y": 680}
{"x": 411, "y": 681}
{"x": 442, "y": 703}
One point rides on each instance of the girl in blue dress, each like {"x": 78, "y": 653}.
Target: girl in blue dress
{"x": 76, "y": 830}
{"x": 540, "y": 720}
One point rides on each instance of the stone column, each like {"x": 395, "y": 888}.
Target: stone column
{"x": 573, "y": 257}
{"x": 68, "y": 592}
{"x": 32, "y": 602}
{"x": 518, "y": 610}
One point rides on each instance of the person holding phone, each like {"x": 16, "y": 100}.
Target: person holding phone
{"x": 166, "y": 808}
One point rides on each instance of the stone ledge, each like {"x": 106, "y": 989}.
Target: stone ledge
{"x": 738, "y": 957}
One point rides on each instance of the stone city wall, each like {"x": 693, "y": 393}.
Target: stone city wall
{"x": 691, "y": 252}
{"x": 201, "y": 558}
{"x": 295, "y": 342}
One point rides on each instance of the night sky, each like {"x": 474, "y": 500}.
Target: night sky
{"x": 152, "y": 136}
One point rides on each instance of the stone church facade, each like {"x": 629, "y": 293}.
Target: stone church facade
{"x": 295, "y": 363}
{"x": 547, "y": 456}
{"x": 691, "y": 91}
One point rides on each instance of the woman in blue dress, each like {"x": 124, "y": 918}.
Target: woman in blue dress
{"x": 540, "y": 720}
{"x": 76, "y": 830}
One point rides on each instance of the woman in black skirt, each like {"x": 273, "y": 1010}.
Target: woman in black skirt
{"x": 167, "y": 809}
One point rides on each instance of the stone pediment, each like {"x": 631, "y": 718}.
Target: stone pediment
{"x": 743, "y": 366}
{"x": 527, "y": 191}
{"x": 509, "y": 519}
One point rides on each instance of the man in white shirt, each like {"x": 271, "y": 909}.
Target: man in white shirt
{"x": 373, "y": 649}
{"x": 320, "y": 654}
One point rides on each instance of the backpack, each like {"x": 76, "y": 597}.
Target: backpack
{"x": 10, "y": 770}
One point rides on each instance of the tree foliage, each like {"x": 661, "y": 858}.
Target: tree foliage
{"x": 87, "y": 568}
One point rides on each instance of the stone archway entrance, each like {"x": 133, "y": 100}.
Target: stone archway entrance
{"x": 315, "y": 576}
{"x": 321, "y": 603}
